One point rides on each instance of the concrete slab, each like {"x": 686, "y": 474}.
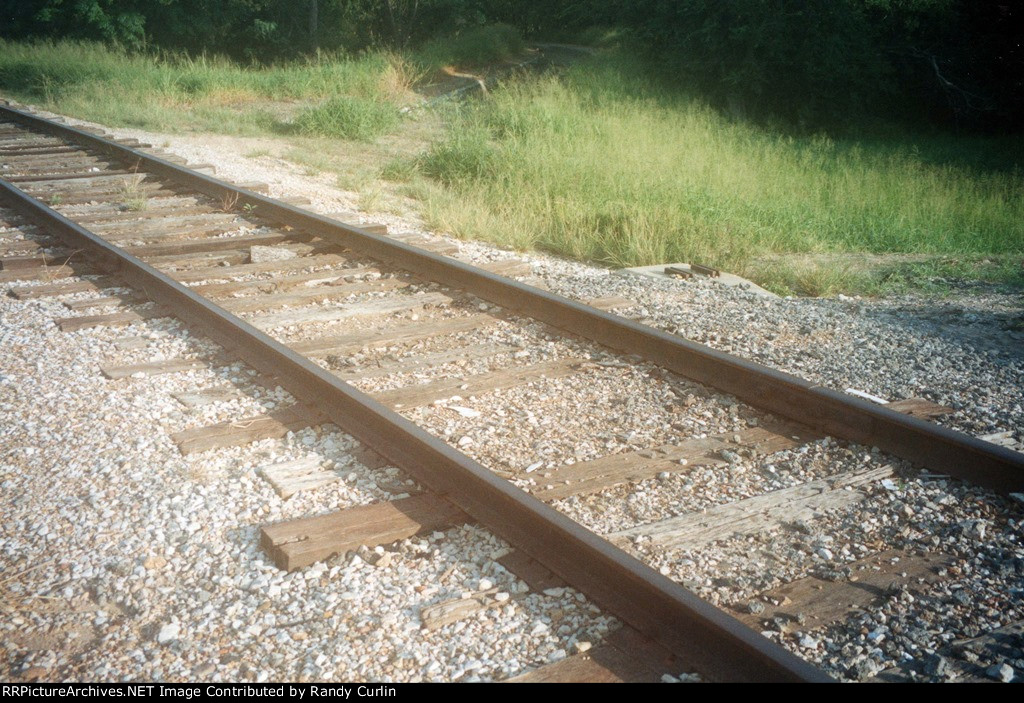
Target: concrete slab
{"x": 658, "y": 271}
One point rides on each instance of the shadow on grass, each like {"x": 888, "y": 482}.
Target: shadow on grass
{"x": 888, "y": 274}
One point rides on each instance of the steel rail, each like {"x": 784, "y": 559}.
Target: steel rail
{"x": 828, "y": 411}
{"x": 702, "y": 636}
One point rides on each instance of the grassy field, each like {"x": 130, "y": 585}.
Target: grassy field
{"x": 597, "y": 163}
{"x": 600, "y": 164}
{"x": 347, "y": 97}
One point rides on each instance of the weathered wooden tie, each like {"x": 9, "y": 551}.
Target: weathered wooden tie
{"x": 232, "y": 433}
{"x": 153, "y": 368}
{"x": 812, "y": 602}
{"x": 297, "y": 543}
{"x": 115, "y": 319}
{"x": 758, "y": 515}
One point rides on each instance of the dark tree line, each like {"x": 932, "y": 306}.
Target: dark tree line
{"x": 949, "y": 61}
{"x": 808, "y": 61}
{"x": 258, "y": 29}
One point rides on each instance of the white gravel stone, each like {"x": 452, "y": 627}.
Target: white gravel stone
{"x": 808, "y": 642}
{"x": 259, "y": 254}
{"x": 1002, "y": 672}
{"x": 168, "y": 632}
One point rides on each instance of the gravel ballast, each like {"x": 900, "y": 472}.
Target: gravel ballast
{"x": 125, "y": 559}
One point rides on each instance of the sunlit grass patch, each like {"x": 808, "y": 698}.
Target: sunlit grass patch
{"x": 347, "y": 117}
{"x": 183, "y": 93}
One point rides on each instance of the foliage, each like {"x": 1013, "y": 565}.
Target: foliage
{"x": 604, "y": 164}
{"x": 798, "y": 58}
{"x": 263, "y": 30}
{"x": 959, "y": 60}
{"x": 825, "y": 61}
{"x": 116, "y": 21}
{"x": 475, "y": 46}
{"x": 810, "y": 62}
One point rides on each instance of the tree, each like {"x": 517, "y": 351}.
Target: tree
{"x": 801, "y": 59}
{"x": 115, "y": 21}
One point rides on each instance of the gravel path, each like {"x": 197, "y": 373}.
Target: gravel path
{"x": 185, "y": 591}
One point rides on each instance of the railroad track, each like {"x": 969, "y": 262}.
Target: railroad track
{"x": 350, "y": 320}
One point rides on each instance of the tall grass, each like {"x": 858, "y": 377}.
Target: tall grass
{"x": 178, "y": 93}
{"x": 597, "y": 163}
{"x": 603, "y": 165}
{"x": 348, "y": 118}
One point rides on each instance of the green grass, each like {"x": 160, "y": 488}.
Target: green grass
{"x": 934, "y": 275}
{"x": 348, "y": 117}
{"x": 597, "y": 163}
{"x": 178, "y": 93}
{"x": 600, "y": 164}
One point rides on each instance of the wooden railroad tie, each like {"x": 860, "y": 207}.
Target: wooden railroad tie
{"x": 299, "y": 543}
{"x": 328, "y": 545}
{"x": 278, "y": 423}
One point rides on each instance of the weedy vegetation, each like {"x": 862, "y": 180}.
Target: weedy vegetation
{"x": 605, "y": 165}
{"x": 601, "y": 162}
